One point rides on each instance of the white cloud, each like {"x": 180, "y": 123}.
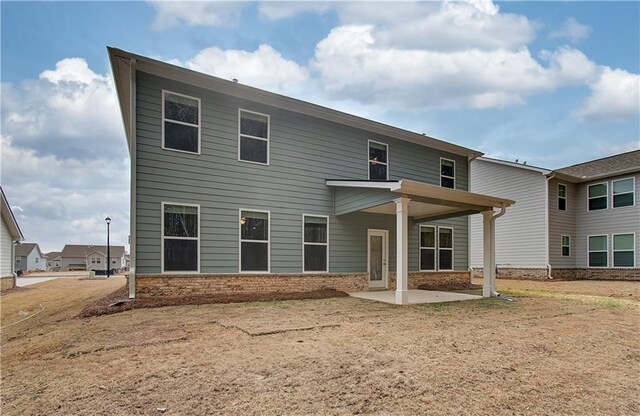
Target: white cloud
{"x": 276, "y": 10}
{"x": 571, "y": 30}
{"x": 196, "y": 13}
{"x": 608, "y": 148}
{"x": 615, "y": 96}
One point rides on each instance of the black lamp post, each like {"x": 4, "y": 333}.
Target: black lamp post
{"x": 108, "y": 221}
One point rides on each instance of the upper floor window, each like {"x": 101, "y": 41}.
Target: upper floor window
{"x": 253, "y": 139}
{"x": 447, "y": 173}
{"x": 180, "y": 237}
{"x": 597, "y": 198}
{"x": 254, "y": 241}
{"x": 180, "y": 122}
{"x": 623, "y": 192}
{"x": 624, "y": 252}
{"x": 378, "y": 161}
{"x": 566, "y": 246}
{"x": 562, "y": 197}
{"x": 598, "y": 251}
{"x": 316, "y": 243}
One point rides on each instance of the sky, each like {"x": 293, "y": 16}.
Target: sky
{"x": 550, "y": 83}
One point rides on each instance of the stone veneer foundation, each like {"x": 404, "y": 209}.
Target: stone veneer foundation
{"x": 7, "y": 282}
{"x": 165, "y": 285}
{"x": 564, "y": 274}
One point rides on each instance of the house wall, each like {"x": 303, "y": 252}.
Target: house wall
{"x": 6, "y": 251}
{"x": 73, "y": 262}
{"x": 521, "y": 232}
{"x": 35, "y": 261}
{"x": 304, "y": 152}
{"x": 562, "y": 223}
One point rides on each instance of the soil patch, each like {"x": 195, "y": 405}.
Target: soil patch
{"x": 450, "y": 286}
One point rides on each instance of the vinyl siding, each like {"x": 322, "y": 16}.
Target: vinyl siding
{"x": 521, "y": 232}
{"x": 6, "y": 250}
{"x": 304, "y": 152}
{"x": 562, "y": 223}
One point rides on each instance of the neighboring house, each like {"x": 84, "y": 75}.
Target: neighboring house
{"x": 235, "y": 189}
{"x": 54, "y": 260}
{"x": 582, "y": 221}
{"x": 29, "y": 257}
{"x": 91, "y": 257}
{"x": 10, "y": 234}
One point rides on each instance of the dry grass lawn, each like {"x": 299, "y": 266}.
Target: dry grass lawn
{"x": 557, "y": 349}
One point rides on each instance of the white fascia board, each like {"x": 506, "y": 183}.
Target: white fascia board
{"x": 390, "y": 185}
{"x": 515, "y": 165}
{"x": 455, "y": 195}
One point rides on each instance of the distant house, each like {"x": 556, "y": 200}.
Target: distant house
{"x": 90, "y": 257}
{"x": 10, "y": 233}
{"x": 582, "y": 221}
{"x": 29, "y": 257}
{"x": 54, "y": 260}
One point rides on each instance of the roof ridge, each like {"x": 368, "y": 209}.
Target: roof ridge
{"x": 599, "y": 159}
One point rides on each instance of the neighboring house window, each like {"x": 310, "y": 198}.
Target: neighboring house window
{"x": 445, "y": 248}
{"x": 597, "y": 196}
{"x": 180, "y": 122}
{"x": 37, "y": 260}
{"x": 566, "y": 246}
{"x": 624, "y": 252}
{"x": 254, "y": 241}
{"x": 113, "y": 262}
{"x": 447, "y": 173}
{"x": 427, "y": 248}
{"x": 98, "y": 260}
{"x": 93, "y": 260}
{"x": 18, "y": 260}
{"x": 562, "y": 197}
{"x": 378, "y": 161}
{"x": 598, "y": 251}
{"x": 253, "y": 140}
{"x": 180, "y": 225}
{"x": 623, "y": 192}
{"x": 316, "y": 243}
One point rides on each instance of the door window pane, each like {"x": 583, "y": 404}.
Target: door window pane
{"x": 375, "y": 260}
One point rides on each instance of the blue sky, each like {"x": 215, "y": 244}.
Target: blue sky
{"x": 552, "y": 83}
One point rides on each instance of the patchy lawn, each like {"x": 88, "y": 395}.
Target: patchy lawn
{"x": 542, "y": 354}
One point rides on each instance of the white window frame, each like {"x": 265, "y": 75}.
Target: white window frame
{"x": 18, "y": 260}
{"x": 633, "y": 191}
{"x": 597, "y": 251}
{"x": 435, "y": 248}
{"x": 162, "y": 238}
{"x": 562, "y": 245}
{"x": 613, "y": 251}
{"x": 304, "y": 216}
{"x": 565, "y": 197}
{"x": 448, "y": 177}
{"x": 268, "y": 139}
{"x": 606, "y": 184}
{"x": 453, "y": 245}
{"x": 199, "y": 125}
{"x": 240, "y": 241}
{"x": 382, "y": 163}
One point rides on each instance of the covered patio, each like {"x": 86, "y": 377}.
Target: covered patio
{"x": 420, "y": 202}
{"x": 415, "y": 296}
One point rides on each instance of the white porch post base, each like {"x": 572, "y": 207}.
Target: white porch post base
{"x": 402, "y": 250}
{"x": 487, "y": 251}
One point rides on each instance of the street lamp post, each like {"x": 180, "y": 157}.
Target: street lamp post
{"x": 108, "y": 221}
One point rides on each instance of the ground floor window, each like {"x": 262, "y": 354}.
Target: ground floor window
{"x": 316, "y": 243}
{"x": 566, "y": 246}
{"x": 254, "y": 241}
{"x": 180, "y": 239}
{"x": 427, "y": 248}
{"x": 598, "y": 251}
{"x": 429, "y": 252}
{"x": 445, "y": 248}
{"x": 624, "y": 250}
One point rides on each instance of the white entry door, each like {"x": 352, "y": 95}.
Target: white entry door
{"x": 378, "y": 249}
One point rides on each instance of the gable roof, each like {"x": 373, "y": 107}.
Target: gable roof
{"x": 124, "y": 64}
{"x": 24, "y": 249}
{"x": 52, "y": 255}
{"x": 515, "y": 165}
{"x": 608, "y": 166}
{"x": 80, "y": 250}
{"x": 10, "y": 219}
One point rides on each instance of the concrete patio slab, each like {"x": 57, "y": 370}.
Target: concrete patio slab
{"x": 415, "y": 296}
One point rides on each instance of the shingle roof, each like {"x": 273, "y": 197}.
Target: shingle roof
{"x": 53, "y": 254}
{"x": 76, "y": 250}
{"x": 624, "y": 162}
{"x": 24, "y": 249}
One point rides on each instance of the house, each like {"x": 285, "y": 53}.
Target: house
{"x": 577, "y": 222}
{"x": 54, "y": 260}
{"x": 236, "y": 189}
{"x": 10, "y": 234}
{"x": 29, "y": 257}
{"x": 91, "y": 257}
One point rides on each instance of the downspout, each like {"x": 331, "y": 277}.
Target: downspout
{"x": 470, "y": 159}
{"x": 503, "y": 210}
{"x": 546, "y": 220}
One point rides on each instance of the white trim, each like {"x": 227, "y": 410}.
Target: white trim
{"x": 248, "y": 136}
{"x": 597, "y": 251}
{"x": 131, "y": 129}
{"x": 515, "y": 165}
{"x": 435, "y": 248}
{"x": 162, "y": 238}
{"x": 448, "y": 177}
{"x": 453, "y": 266}
{"x": 199, "y": 125}
{"x": 562, "y": 245}
{"x": 613, "y": 251}
{"x": 633, "y": 191}
{"x": 565, "y": 197}
{"x": 369, "y": 161}
{"x": 606, "y": 184}
{"x": 389, "y": 185}
{"x": 326, "y": 270}
{"x": 240, "y": 241}
{"x": 385, "y": 256}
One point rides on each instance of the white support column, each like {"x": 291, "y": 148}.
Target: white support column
{"x": 402, "y": 250}
{"x": 487, "y": 250}
{"x": 493, "y": 255}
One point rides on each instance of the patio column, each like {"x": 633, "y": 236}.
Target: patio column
{"x": 402, "y": 250}
{"x": 488, "y": 249}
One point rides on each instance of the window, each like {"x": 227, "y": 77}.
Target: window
{"x": 624, "y": 252}
{"x": 98, "y": 260}
{"x": 562, "y": 197}
{"x": 598, "y": 251}
{"x": 37, "y": 260}
{"x": 180, "y": 242}
{"x": 623, "y": 192}
{"x": 316, "y": 243}
{"x": 254, "y": 241}
{"x": 378, "y": 161}
{"x": 445, "y": 248}
{"x": 597, "y": 196}
{"x": 253, "y": 140}
{"x": 427, "y": 247}
{"x": 18, "y": 260}
{"x": 180, "y": 122}
{"x": 566, "y": 246}
{"x": 113, "y": 262}
{"x": 447, "y": 173}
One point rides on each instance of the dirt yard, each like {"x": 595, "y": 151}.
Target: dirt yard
{"x": 547, "y": 352}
